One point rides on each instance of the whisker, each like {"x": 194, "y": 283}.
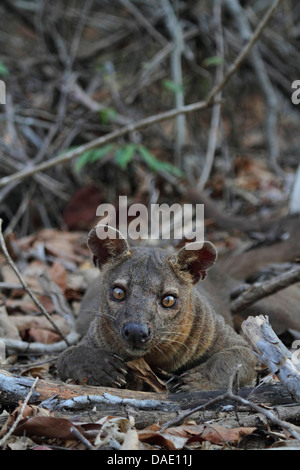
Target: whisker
{"x": 185, "y": 324}
{"x": 167, "y": 332}
{"x": 180, "y": 342}
{"x": 105, "y": 314}
{"x": 170, "y": 343}
{"x": 156, "y": 347}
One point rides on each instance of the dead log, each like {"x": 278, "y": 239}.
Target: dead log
{"x": 15, "y": 388}
{"x": 273, "y": 353}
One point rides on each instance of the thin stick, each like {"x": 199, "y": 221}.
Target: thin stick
{"x": 264, "y": 81}
{"x": 273, "y": 353}
{"x": 245, "y": 51}
{"x": 261, "y": 290}
{"x": 100, "y": 141}
{"x": 31, "y": 295}
{"x": 154, "y": 119}
{"x": 176, "y": 33}
{"x": 20, "y": 415}
{"x": 81, "y": 438}
{"x": 216, "y": 111}
{"x": 229, "y": 395}
{"x": 144, "y": 22}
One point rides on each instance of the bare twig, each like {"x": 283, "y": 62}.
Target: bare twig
{"x": 176, "y": 33}
{"x": 143, "y": 123}
{"x": 144, "y": 22}
{"x": 273, "y": 353}
{"x": 84, "y": 98}
{"x": 264, "y": 82}
{"x": 216, "y": 111}
{"x": 81, "y": 438}
{"x": 260, "y": 290}
{"x": 229, "y": 395}
{"x": 14, "y": 346}
{"x": 70, "y": 155}
{"x": 29, "y": 292}
{"x": 294, "y": 205}
{"x": 245, "y": 51}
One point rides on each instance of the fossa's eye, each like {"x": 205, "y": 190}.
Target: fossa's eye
{"x": 169, "y": 301}
{"x": 118, "y": 294}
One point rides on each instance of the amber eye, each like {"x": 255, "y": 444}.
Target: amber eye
{"x": 169, "y": 301}
{"x": 118, "y": 294}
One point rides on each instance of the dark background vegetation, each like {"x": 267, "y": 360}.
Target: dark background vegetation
{"x": 77, "y": 70}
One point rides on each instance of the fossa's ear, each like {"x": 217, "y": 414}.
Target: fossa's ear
{"x": 107, "y": 245}
{"x": 197, "y": 258}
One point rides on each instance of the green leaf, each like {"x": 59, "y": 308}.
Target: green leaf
{"x": 125, "y": 154}
{"x": 91, "y": 156}
{"x": 173, "y": 86}
{"x": 3, "y": 70}
{"x": 212, "y": 61}
{"x": 158, "y": 165}
{"x": 148, "y": 157}
{"x": 108, "y": 114}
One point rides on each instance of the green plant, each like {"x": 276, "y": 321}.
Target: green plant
{"x": 173, "y": 86}
{"x": 4, "y": 72}
{"x": 107, "y": 115}
{"x": 212, "y": 61}
{"x": 92, "y": 156}
{"x": 124, "y": 155}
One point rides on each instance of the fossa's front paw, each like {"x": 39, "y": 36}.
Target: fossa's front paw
{"x": 191, "y": 381}
{"x": 91, "y": 366}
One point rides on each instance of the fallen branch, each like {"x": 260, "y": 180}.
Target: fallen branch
{"x": 14, "y": 346}
{"x": 273, "y": 353}
{"x": 260, "y": 290}
{"x": 143, "y": 123}
{"x": 15, "y": 388}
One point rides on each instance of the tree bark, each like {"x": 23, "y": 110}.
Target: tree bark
{"x": 14, "y": 389}
{"x": 273, "y": 353}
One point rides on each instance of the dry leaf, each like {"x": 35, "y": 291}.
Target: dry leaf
{"x": 39, "y": 335}
{"x": 7, "y": 327}
{"x": 36, "y": 371}
{"x": 20, "y": 444}
{"x": 152, "y": 435}
{"x": 113, "y": 428}
{"x": 29, "y": 411}
{"x": 217, "y": 434}
{"x": 58, "y": 274}
{"x": 143, "y": 373}
{"x": 47, "y": 427}
{"x": 214, "y": 433}
{"x": 131, "y": 440}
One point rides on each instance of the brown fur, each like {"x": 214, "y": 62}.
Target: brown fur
{"x": 189, "y": 340}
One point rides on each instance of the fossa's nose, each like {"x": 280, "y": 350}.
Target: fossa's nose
{"x": 136, "y": 334}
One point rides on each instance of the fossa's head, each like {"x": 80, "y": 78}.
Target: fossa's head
{"x": 145, "y": 292}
